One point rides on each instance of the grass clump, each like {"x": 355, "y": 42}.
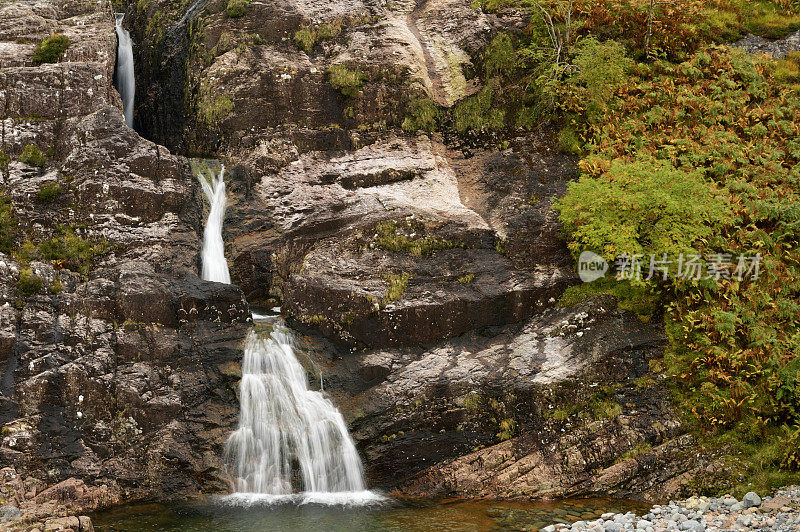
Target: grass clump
{"x": 236, "y": 8}
{"x": 605, "y": 409}
{"x": 641, "y": 449}
{"x": 477, "y": 112}
{"x": 423, "y": 115}
{"x": 211, "y": 110}
{"x": 5, "y": 160}
{"x": 390, "y": 239}
{"x": 68, "y": 250}
{"x": 55, "y": 287}
{"x": 9, "y": 224}
{"x": 33, "y": 156}
{"x": 309, "y": 36}
{"x": 347, "y": 81}
{"x": 397, "y": 285}
{"x": 48, "y": 191}
{"x": 51, "y": 49}
{"x": 466, "y": 278}
{"x": 569, "y": 142}
{"x": 305, "y": 39}
{"x": 29, "y": 283}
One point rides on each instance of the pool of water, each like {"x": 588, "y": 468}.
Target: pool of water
{"x": 221, "y": 515}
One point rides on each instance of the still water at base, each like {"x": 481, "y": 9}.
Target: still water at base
{"x": 423, "y": 516}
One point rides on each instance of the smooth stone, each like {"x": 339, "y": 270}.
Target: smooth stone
{"x": 751, "y": 499}
{"x": 692, "y": 526}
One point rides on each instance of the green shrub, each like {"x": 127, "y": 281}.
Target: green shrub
{"x": 500, "y": 57}
{"x": 8, "y": 224}
{"x": 237, "y": 8}
{"x": 49, "y": 191}
{"x": 51, "y": 49}
{"x": 423, "y": 114}
{"x": 345, "y": 80}
{"x": 568, "y": 141}
{"x": 467, "y": 278}
{"x": 477, "y": 111}
{"x": 29, "y": 283}
{"x": 33, "y": 156}
{"x": 601, "y": 68}
{"x": 68, "y": 250}
{"x": 642, "y": 207}
{"x": 307, "y": 37}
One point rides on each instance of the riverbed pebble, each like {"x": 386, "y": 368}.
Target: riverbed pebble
{"x": 776, "y": 513}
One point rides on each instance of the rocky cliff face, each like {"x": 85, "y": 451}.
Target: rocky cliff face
{"x": 435, "y": 259}
{"x": 426, "y": 267}
{"x": 115, "y": 355}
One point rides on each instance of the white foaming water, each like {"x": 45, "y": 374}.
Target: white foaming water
{"x": 290, "y": 438}
{"x": 215, "y": 267}
{"x": 292, "y": 444}
{"x": 125, "y": 80}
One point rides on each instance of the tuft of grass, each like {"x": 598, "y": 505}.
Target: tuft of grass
{"x": 236, "y": 8}
{"x": 33, "y": 156}
{"x": 55, "y": 287}
{"x": 397, "y": 285}
{"x": 5, "y": 160}
{"x": 472, "y": 402}
{"x": 347, "y": 81}
{"x": 508, "y": 428}
{"x": 29, "y": 283}
{"x": 68, "y": 250}
{"x": 51, "y": 49}
{"x": 212, "y": 110}
{"x": 640, "y": 450}
{"x": 305, "y": 39}
{"x": 466, "y": 279}
{"x": 644, "y": 300}
{"x": 423, "y": 114}
{"x": 49, "y": 191}
{"x": 477, "y": 112}
{"x": 9, "y": 224}
{"x": 605, "y": 409}
{"x": 568, "y": 141}
{"x": 390, "y": 240}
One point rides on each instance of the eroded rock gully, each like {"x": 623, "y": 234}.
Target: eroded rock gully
{"x": 425, "y": 279}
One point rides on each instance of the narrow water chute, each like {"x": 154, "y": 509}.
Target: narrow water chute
{"x": 215, "y": 266}
{"x": 124, "y": 77}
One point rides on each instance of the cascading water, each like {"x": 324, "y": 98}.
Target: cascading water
{"x": 290, "y": 438}
{"x": 215, "y": 267}
{"x": 291, "y": 444}
{"x": 124, "y": 79}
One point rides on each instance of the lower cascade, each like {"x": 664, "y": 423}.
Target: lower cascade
{"x": 290, "y": 438}
{"x": 291, "y": 443}
{"x": 124, "y": 77}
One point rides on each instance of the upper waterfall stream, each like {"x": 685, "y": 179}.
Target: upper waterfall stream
{"x": 124, "y": 77}
{"x": 292, "y": 444}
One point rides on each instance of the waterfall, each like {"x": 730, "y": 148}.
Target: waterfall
{"x": 215, "y": 267}
{"x": 124, "y": 81}
{"x": 290, "y": 438}
{"x": 292, "y": 444}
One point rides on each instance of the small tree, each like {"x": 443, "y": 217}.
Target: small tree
{"x": 642, "y": 207}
